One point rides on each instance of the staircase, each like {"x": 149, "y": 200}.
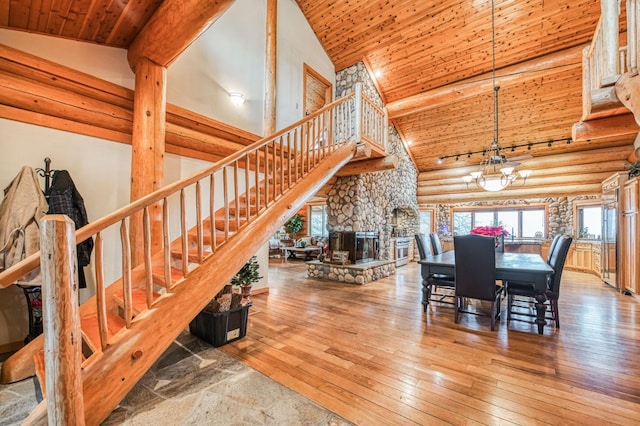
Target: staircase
{"x": 236, "y": 205}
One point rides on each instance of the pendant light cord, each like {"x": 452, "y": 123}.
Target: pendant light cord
{"x": 495, "y": 87}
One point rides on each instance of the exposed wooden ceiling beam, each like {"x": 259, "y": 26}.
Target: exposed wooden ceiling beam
{"x": 525, "y": 71}
{"x": 615, "y": 126}
{"x": 174, "y": 26}
{"x": 513, "y": 193}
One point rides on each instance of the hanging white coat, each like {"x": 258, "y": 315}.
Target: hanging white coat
{"x": 21, "y": 210}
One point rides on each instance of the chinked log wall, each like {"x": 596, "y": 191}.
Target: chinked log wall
{"x": 36, "y": 91}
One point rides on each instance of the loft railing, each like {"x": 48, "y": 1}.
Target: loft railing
{"x": 604, "y": 60}
{"x": 232, "y": 192}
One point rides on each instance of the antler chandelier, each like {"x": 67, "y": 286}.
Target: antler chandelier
{"x": 495, "y": 172}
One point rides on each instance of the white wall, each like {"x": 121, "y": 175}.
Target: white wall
{"x": 229, "y": 56}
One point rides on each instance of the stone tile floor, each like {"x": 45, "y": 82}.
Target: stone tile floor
{"x": 193, "y": 383}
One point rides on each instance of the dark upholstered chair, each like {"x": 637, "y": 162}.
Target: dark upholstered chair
{"x": 475, "y": 273}
{"x": 436, "y": 245}
{"x": 553, "y": 246}
{"x": 431, "y": 284}
{"x": 522, "y": 294}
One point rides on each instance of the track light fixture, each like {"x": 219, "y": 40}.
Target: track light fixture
{"x": 529, "y": 146}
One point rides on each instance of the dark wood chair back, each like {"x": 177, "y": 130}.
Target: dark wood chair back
{"x": 424, "y": 248}
{"x": 436, "y": 245}
{"x": 556, "y": 261}
{"x": 475, "y": 271}
{"x": 553, "y": 246}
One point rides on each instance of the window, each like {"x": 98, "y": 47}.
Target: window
{"x": 521, "y": 222}
{"x": 426, "y": 221}
{"x": 318, "y": 221}
{"x": 588, "y": 220}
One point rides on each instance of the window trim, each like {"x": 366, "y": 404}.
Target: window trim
{"x": 432, "y": 210}
{"x": 325, "y": 220}
{"x": 577, "y": 204}
{"x": 504, "y": 207}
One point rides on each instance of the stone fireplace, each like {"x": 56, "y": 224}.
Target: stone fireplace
{"x": 362, "y": 246}
{"x": 370, "y": 201}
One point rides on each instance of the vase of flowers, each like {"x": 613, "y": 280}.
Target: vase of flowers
{"x": 498, "y": 232}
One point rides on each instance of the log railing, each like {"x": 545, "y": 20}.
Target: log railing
{"x": 633, "y": 35}
{"x": 604, "y": 61}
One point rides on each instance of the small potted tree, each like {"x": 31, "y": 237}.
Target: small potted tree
{"x": 246, "y": 276}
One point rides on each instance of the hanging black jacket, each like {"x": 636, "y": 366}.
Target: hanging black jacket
{"x": 64, "y": 198}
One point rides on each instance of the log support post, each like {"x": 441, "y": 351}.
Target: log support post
{"x": 269, "y": 125}
{"x": 148, "y": 148}
{"x": 62, "y": 337}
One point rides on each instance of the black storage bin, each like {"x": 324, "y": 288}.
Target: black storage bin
{"x": 221, "y": 327}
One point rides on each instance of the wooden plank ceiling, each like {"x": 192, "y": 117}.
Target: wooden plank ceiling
{"x": 434, "y": 60}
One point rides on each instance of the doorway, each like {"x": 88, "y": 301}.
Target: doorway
{"x": 317, "y": 91}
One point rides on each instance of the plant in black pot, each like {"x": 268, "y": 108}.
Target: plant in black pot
{"x": 246, "y": 276}
{"x": 224, "y": 319}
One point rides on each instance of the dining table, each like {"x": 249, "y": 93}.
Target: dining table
{"x": 520, "y": 267}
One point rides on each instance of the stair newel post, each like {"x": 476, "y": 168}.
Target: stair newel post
{"x": 62, "y": 337}
{"x": 358, "y": 113}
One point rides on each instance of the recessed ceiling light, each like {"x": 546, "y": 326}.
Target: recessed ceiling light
{"x": 378, "y": 73}
{"x": 236, "y": 98}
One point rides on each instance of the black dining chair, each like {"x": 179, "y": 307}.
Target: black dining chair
{"x": 430, "y": 286}
{"x": 522, "y": 294}
{"x": 552, "y": 246}
{"x": 436, "y": 245}
{"x": 475, "y": 273}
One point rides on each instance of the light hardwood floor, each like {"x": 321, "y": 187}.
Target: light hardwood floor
{"x": 370, "y": 354}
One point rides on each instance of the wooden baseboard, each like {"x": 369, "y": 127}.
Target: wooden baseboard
{"x": 262, "y": 290}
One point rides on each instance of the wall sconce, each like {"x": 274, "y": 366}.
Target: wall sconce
{"x": 236, "y": 98}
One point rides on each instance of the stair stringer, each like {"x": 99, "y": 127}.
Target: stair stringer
{"x": 132, "y": 351}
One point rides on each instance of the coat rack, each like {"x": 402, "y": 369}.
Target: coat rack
{"x": 46, "y": 173}
{"x": 33, "y": 293}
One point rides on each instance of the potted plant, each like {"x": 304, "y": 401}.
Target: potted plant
{"x": 246, "y": 276}
{"x": 634, "y": 169}
{"x": 294, "y": 225}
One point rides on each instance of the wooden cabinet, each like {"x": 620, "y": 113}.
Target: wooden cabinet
{"x": 584, "y": 257}
{"x": 630, "y": 241}
{"x": 596, "y": 263}
{"x": 630, "y": 196}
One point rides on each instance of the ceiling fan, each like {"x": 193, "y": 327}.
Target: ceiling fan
{"x": 497, "y": 158}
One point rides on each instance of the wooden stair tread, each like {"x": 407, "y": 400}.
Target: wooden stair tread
{"x": 138, "y": 297}
{"x": 158, "y": 278}
{"x": 89, "y": 325}
{"x": 193, "y": 254}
